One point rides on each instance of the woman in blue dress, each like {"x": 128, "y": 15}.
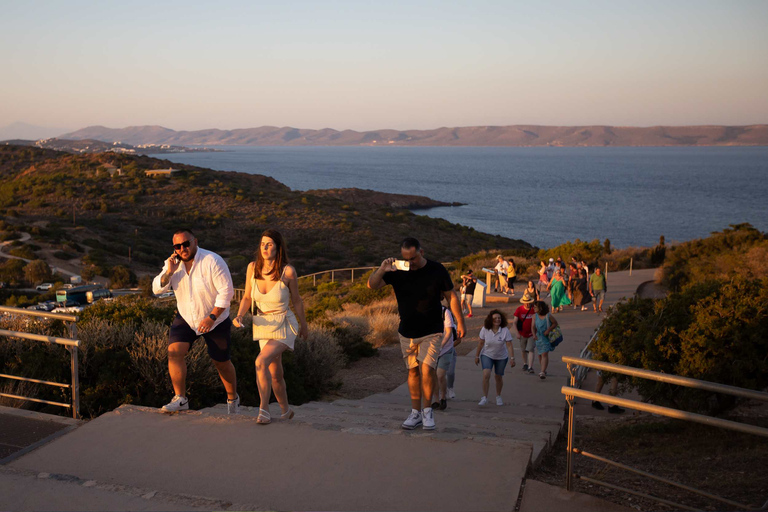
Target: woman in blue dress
{"x": 542, "y": 325}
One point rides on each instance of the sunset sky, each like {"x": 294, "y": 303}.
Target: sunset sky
{"x": 369, "y": 65}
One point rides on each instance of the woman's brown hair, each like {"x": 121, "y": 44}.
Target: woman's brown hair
{"x": 281, "y": 258}
{"x": 488, "y": 324}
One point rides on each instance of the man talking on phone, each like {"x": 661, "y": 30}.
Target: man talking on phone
{"x": 203, "y": 287}
{"x": 419, "y": 290}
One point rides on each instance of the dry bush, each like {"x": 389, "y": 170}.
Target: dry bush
{"x": 18, "y": 388}
{"x": 320, "y": 357}
{"x": 102, "y": 334}
{"x": 383, "y": 330}
{"x": 377, "y": 322}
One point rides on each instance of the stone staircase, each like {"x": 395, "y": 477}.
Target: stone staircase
{"x": 534, "y": 424}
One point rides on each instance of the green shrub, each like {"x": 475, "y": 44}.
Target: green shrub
{"x": 712, "y": 330}
{"x": 740, "y": 249}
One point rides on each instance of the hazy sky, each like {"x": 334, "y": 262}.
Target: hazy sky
{"x": 368, "y": 65}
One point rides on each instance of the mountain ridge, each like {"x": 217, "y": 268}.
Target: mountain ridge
{"x": 491, "y": 136}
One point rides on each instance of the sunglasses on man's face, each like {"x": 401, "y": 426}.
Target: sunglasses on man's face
{"x": 183, "y": 244}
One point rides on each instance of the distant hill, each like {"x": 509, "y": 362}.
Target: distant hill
{"x": 72, "y": 201}
{"x": 518, "y": 135}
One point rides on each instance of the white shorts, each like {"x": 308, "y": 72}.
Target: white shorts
{"x": 428, "y": 351}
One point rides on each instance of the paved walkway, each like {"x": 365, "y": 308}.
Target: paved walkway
{"x": 344, "y": 455}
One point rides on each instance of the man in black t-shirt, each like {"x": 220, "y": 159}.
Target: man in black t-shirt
{"x": 418, "y": 292}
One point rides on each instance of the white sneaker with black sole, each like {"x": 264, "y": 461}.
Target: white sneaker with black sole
{"x": 233, "y": 406}
{"x": 451, "y": 393}
{"x": 429, "y": 419}
{"x": 413, "y": 421}
{"x": 179, "y": 403}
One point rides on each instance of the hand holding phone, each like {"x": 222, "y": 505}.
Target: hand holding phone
{"x": 173, "y": 263}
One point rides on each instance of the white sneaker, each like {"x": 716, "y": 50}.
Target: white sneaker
{"x": 429, "y": 419}
{"x": 499, "y": 401}
{"x": 451, "y": 394}
{"x": 413, "y": 421}
{"x": 233, "y": 406}
{"x": 483, "y": 401}
{"x": 179, "y": 403}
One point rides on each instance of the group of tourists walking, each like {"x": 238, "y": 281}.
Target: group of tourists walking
{"x": 572, "y": 285}
{"x": 428, "y": 330}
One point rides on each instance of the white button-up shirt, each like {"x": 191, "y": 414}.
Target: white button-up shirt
{"x": 207, "y": 285}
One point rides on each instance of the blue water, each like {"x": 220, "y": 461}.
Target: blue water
{"x": 544, "y": 196}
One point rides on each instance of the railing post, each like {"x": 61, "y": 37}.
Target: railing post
{"x": 314, "y": 280}
{"x": 630, "y": 266}
{"x": 353, "y": 275}
{"x": 332, "y": 276}
{"x": 75, "y": 383}
{"x": 569, "y": 456}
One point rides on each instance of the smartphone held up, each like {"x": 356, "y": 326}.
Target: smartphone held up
{"x": 401, "y": 265}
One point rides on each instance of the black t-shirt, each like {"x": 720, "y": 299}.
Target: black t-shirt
{"x": 470, "y": 284}
{"x": 418, "y": 295}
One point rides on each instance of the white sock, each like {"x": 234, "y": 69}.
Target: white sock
{"x": 427, "y": 410}
{"x": 415, "y": 411}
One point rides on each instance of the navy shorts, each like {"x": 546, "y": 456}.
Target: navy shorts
{"x": 217, "y": 339}
{"x": 498, "y": 365}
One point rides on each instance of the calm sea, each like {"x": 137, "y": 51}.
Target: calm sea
{"x": 544, "y": 196}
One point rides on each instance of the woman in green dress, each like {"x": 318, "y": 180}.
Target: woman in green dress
{"x": 558, "y": 292}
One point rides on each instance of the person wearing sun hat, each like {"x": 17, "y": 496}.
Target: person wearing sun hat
{"x": 523, "y": 317}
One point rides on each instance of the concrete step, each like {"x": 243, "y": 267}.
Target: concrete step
{"x": 471, "y": 409}
{"x": 236, "y": 465}
{"x": 387, "y": 421}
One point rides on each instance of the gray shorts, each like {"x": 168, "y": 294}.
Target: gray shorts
{"x": 528, "y": 344}
{"x": 599, "y": 296}
{"x": 445, "y": 360}
{"x": 428, "y": 349}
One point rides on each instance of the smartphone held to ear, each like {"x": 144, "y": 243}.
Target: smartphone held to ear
{"x": 401, "y": 265}
{"x": 176, "y": 259}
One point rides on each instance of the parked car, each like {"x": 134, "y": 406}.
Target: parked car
{"x": 44, "y": 287}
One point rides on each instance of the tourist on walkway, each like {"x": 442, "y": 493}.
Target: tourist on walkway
{"x": 558, "y": 292}
{"x": 493, "y": 351}
{"x": 551, "y": 269}
{"x": 524, "y": 316}
{"x": 542, "y": 326}
{"x": 470, "y": 283}
{"x": 446, "y": 361}
{"x": 511, "y": 276}
{"x": 501, "y": 275}
{"x": 271, "y": 285}
{"x": 614, "y": 390}
{"x": 543, "y": 279}
{"x": 531, "y": 290}
{"x": 598, "y": 288}
{"x": 580, "y": 287}
{"x": 418, "y": 292}
{"x": 202, "y": 284}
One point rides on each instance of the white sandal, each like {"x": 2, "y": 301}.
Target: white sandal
{"x": 264, "y": 417}
{"x": 287, "y": 415}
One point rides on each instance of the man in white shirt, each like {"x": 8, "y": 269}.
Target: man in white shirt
{"x": 501, "y": 273}
{"x": 203, "y": 287}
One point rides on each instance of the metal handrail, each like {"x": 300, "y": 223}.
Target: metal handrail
{"x": 41, "y": 314}
{"x": 571, "y": 392}
{"x": 72, "y": 346}
{"x": 668, "y": 378}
